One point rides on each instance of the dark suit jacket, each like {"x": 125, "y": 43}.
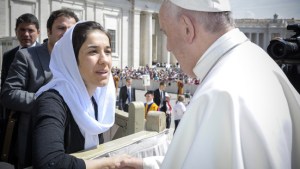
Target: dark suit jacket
{"x": 123, "y": 97}
{"x": 28, "y": 72}
{"x": 157, "y": 98}
{"x": 7, "y": 59}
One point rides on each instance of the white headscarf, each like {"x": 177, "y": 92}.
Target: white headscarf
{"x": 68, "y": 82}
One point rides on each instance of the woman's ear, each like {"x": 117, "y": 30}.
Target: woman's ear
{"x": 188, "y": 26}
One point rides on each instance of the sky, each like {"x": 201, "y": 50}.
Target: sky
{"x": 265, "y": 9}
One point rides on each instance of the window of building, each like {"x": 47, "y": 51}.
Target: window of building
{"x": 113, "y": 40}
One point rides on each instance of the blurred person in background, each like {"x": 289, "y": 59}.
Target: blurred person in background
{"x": 149, "y": 105}
{"x": 178, "y": 110}
{"x": 127, "y": 95}
{"x": 27, "y": 31}
{"x": 167, "y": 108}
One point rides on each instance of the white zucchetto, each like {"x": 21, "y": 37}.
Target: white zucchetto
{"x": 204, "y": 5}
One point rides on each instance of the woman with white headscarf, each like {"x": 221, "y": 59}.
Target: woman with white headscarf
{"x": 78, "y": 104}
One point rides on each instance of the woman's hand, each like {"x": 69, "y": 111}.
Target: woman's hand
{"x": 129, "y": 162}
{"x": 116, "y": 162}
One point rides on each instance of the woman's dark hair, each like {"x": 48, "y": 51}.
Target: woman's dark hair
{"x": 81, "y": 31}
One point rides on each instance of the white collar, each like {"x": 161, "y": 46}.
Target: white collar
{"x": 20, "y": 47}
{"x": 150, "y": 102}
{"x": 217, "y": 50}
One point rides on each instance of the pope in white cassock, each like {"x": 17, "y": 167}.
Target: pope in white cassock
{"x": 245, "y": 113}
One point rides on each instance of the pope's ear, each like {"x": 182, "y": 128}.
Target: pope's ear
{"x": 188, "y": 28}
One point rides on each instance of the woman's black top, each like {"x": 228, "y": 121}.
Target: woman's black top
{"x": 56, "y": 134}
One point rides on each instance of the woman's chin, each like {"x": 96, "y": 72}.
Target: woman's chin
{"x": 103, "y": 83}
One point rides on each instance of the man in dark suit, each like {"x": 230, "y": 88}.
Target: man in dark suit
{"x": 127, "y": 95}
{"x": 160, "y": 100}
{"x": 159, "y": 95}
{"x": 27, "y": 31}
{"x": 28, "y": 72}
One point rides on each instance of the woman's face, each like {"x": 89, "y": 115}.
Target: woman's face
{"x": 94, "y": 60}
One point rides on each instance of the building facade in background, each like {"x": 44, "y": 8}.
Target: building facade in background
{"x": 261, "y": 31}
{"x": 133, "y": 24}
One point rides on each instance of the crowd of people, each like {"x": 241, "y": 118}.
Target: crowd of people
{"x": 167, "y": 74}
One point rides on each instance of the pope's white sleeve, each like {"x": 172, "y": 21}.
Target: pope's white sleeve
{"x": 153, "y": 162}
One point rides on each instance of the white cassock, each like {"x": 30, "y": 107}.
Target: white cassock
{"x": 244, "y": 114}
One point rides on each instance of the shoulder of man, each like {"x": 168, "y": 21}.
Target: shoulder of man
{"x": 39, "y": 49}
{"x": 11, "y": 52}
{"x": 16, "y": 49}
{"x": 39, "y": 46}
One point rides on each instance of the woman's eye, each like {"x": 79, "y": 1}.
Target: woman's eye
{"x": 108, "y": 52}
{"x": 61, "y": 28}
{"x": 93, "y": 52}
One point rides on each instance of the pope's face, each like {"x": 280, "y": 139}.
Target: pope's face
{"x": 176, "y": 43}
{"x": 168, "y": 26}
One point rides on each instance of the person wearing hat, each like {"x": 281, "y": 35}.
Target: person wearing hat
{"x": 244, "y": 114}
{"x": 149, "y": 105}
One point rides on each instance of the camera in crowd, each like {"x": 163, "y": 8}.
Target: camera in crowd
{"x": 286, "y": 49}
{"x": 286, "y": 53}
